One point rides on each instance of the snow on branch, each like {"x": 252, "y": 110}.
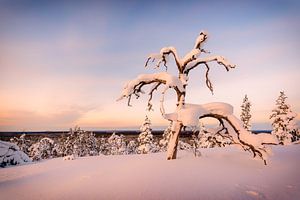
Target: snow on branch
{"x": 162, "y": 57}
{"x": 190, "y": 114}
{"x": 190, "y": 60}
{"x": 134, "y": 87}
{"x": 191, "y": 64}
{"x": 201, "y": 39}
{"x": 219, "y": 59}
{"x": 184, "y": 65}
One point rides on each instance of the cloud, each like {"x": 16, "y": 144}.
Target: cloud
{"x": 30, "y": 120}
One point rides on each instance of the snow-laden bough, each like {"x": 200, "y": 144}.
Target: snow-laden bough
{"x": 188, "y": 115}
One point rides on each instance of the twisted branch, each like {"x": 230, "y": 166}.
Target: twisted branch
{"x": 151, "y": 95}
{"x": 251, "y": 148}
{"x": 161, "y": 57}
{"x": 134, "y": 87}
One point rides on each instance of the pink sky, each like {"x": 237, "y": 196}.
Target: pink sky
{"x": 63, "y": 65}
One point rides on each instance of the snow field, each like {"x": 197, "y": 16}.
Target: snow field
{"x": 220, "y": 173}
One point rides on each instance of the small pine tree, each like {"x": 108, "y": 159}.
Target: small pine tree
{"x": 67, "y": 142}
{"x": 104, "y": 147}
{"x": 132, "y": 147}
{"x": 86, "y": 144}
{"x": 163, "y": 143}
{"x": 22, "y": 142}
{"x": 184, "y": 146}
{"x": 42, "y": 149}
{"x": 79, "y": 143}
{"x": 284, "y": 126}
{"x": 210, "y": 138}
{"x": 245, "y": 115}
{"x": 145, "y": 139}
{"x": 116, "y": 145}
{"x": 196, "y": 145}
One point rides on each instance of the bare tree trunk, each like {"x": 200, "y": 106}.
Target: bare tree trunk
{"x": 173, "y": 142}
{"x": 176, "y": 128}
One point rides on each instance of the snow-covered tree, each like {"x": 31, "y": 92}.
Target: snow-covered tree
{"x": 103, "y": 146}
{"x": 145, "y": 139}
{"x": 42, "y": 149}
{"x": 10, "y": 154}
{"x": 22, "y": 142}
{"x": 188, "y": 115}
{"x": 245, "y": 114}
{"x": 163, "y": 143}
{"x": 284, "y": 126}
{"x": 132, "y": 147}
{"x": 80, "y": 143}
{"x": 57, "y": 150}
{"x": 184, "y": 146}
{"x": 196, "y": 145}
{"x": 86, "y": 144}
{"x": 116, "y": 145}
{"x": 210, "y": 138}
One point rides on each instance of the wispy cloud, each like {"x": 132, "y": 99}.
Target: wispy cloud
{"x": 57, "y": 54}
{"x": 32, "y": 120}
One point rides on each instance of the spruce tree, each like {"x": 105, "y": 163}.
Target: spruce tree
{"x": 165, "y": 138}
{"x": 79, "y": 143}
{"x": 145, "y": 139}
{"x": 116, "y": 145}
{"x": 22, "y": 142}
{"x": 245, "y": 115}
{"x": 283, "y": 123}
{"x": 42, "y": 149}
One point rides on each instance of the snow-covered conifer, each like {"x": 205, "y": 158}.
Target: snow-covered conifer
{"x": 245, "y": 114}
{"x": 22, "y": 142}
{"x": 184, "y": 146}
{"x": 145, "y": 140}
{"x": 104, "y": 147}
{"x": 67, "y": 142}
{"x": 132, "y": 147}
{"x": 42, "y": 149}
{"x": 116, "y": 145}
{"x": 195, "y": 145}
{"x": 163, "y": 143}
{"x": 284, "y": 126}
{"x": 10, "y": 154}
{"x": 213, "y": 137}
{"x": 86, "y": 144}
{"x": 57, "y": 150}
{"x": 80, "y": 143}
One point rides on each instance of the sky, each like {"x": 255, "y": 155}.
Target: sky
{"x": 64, "y": 63}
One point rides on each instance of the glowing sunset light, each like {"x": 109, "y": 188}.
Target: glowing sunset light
{"x": 65, "y": 63}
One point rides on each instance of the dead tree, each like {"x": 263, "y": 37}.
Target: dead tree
{"x": 188, "y": 115}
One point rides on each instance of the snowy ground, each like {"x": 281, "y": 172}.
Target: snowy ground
{"x": 219, "y": 174}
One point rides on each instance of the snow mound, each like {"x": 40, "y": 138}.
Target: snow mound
{"x": 10, "y": 154}
{"x": 220, "y": 173}
{"x": 190, "y": 113}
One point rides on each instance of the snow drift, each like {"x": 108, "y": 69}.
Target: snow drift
{"x": 220, "y": 173}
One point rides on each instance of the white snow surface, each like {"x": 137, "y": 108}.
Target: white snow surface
{"x": 190, "y": 113}
{"x": 10, "y": 154}
{"x": 220, "y": 173}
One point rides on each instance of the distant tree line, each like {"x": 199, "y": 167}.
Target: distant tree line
{"x": 80, "y": 143}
